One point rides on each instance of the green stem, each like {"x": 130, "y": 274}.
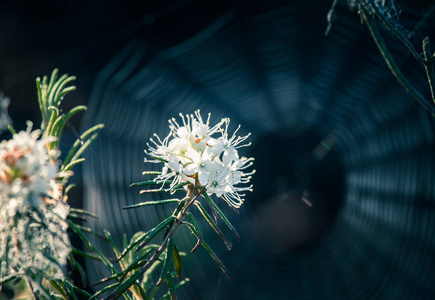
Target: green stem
{"x": 191, "y": 196}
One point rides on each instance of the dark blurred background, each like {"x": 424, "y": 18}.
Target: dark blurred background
{"x": 369, "y": 232}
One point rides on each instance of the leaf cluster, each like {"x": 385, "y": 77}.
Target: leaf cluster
{"x": 141, "y": 260}
{"x": 40, "y": 284}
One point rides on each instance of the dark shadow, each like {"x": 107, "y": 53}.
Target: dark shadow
{"x": 297, "y": 197}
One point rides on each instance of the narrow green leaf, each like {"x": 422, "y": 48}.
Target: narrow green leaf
{"x": 133, "y": 244}
{"x": 75, "y": 110}
{"x": 197, "y": 234}
{"x": 159, "y": 159}
{"x": 70, "y": 289}
{"x": 215, "y": 258}
{"x": 222, "y": 215}
{"x": 146, "y": 280}
{"x": 178, "y": 186}
{"x": 151, "y": 173}
{"x": 56, "y": 125}
{"x": 81, "y": 271}
{"x": 89, "y": 246}
{"x": 107, "y": 279}
{"x": 105, "y": 289}
{"x": 89, "y": 230}
{"x": 160, "y": 191}
{"x": 154, "y": 291}
{"x": 57, "y": 287}
{"x": 210, "y": 204}
{"x": 44, "y": 79}
{"x": 83, "y": 212}
{"x": 195, "y": 230}
{"x": 68, "y": 116}
{"x": 177, "y": 261}
{"x": 52, "y": 119}
{"x": 68, "y": 188}
{"x": 53, "y": 89}
{"x": 212, "y": 224}
{"x": 148, "y": 182}
{"x": 105, "y": 260}
{"x": 155, "y": 231}
{"x": 85, "y": 254}
{"x": 141, "y": 291}
{"x": 53, "y": 79}
{"x": 42, "y": 106}
{"x": 122, "y": 287}
{"x": 147, "y": 203}
{"x": 76, "y": 216}
{"x": 171, "y": 286}
{"x": 111, "y": 241}
{"x": 167, "y": 260}
{"x": 127, "y": 297}
{"x": 84, "y": 146}
{"x": 77, "y": 143}
{"x": 62, "y": 90}
{"x": 83, "y": 292}
{"x": 73, "y": 164}
{"x": 138, "y": 261}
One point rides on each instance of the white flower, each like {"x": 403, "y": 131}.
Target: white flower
{"x": 202, "y": 164}
{"x": 33, "y": 236}
{"x": 229, "y": 146}
{"x": 220, "y": 181}
{"x": 224, "y": 181}
{"x": 173, "y": 168}
{"x": 191, "y": 153}
{"x": 26, "y": 169}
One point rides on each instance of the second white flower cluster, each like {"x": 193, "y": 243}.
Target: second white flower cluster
{"x": 204, "y": 156}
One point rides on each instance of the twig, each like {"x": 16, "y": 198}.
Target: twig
{"x": 29, "y": 285}
{"x": 392, "y": 65}
{"x": 429, "y": 66}
{"x": 394, "y": 30}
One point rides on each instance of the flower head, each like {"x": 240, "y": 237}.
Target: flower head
{"x": 196, "y": 153}
{"x": 33, "y": 235}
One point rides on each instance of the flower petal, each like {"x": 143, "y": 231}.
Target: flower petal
{"x": 203, "y": 177}
{"x": 190, "y": 169}
{"x": 230, "y": 154}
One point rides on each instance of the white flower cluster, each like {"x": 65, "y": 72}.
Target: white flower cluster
{"x": 204, "y": 156}
{"x": 33, "y": 235}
